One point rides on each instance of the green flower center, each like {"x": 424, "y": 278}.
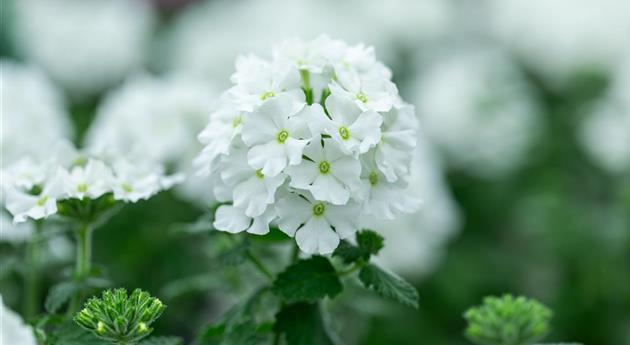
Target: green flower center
{"x": 324, "y": 167}
{"x": 260, "y": 174}
{"x": 282, "y": 136}
{"x": 373, "y": 178}
{"x": 127, "y": 188}
{"x": 42, "y": 201}
{"x": 237, "y": 121}
{"x": 267, "y": 94}
{"x": 82, "y": 187}
{"x": 344, "y": 132}
{"x": 319, "y": 209}
{"x": 362, "y": 97}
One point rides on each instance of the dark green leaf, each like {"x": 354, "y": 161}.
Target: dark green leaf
{"x": 302, "y": 324}
{"x": 162, "y": 341}
{"x": 307, "y": 280}
{"x": 370, "y": 242}
{"x": 60, "y": 294}
{"x": 348, "y": 253}
{"x": 389, "y": 285}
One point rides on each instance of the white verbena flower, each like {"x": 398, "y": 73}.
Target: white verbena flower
{"x": 285, "y": 144}
{"x": 14, "y": 330}
{"x": 317, "y": 225}
{"x": 70, "y": 174}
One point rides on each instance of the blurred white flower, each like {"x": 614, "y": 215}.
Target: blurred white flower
{"x": 207, "y": 37}
{"x": 588, "y": 35}
{"x": 270, "y": 132}
{"x": 478, "y": 111}
{"x": 13, "y": 329}
{"x": 14, "y": 233}
{"x": 158, "y": 118}
{"x": 605, "y": 133}
{"x": 69, "y": 174}
{"x": 86, "y": 46}
{"x": 30, "y": 104}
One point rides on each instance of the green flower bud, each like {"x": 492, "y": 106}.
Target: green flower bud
{"x": 118, "y": 317}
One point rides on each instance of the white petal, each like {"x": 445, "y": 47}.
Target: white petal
{"x": 317, "y": 237}
{"x": 251, "y": 196}
{"x": 231, "y": 219}
{"x": 344, "y": 219}
{"x": 294, "y": 149}
{"x": 302, "y": 175}
{"x": 342, "y": 110}
{"x": 258, "y": 128}
{"x": 347, "y": 170}
{"x": 293, "y": 211}
{"x": 271, "y": 157}
{"x": 260, "y": 225}
{"x": 367, "y": 127}
{"x": 328, "y": 188}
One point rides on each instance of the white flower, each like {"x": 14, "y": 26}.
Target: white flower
{"x": 252, "y": 190}
{"x": 273, "y": 136}
{"x": 368, "y": 92}
{"x": 398, "y": 139}
{"x": 232, "y": 219}
{"x": 30, "y": 104}
{"x": 130, "y": 183}
{"x": 317, "y": 225}
{"x": 24, "y": 204}
{"x": 46, "y": 30}
{"x": 14, "y": 330}
{"x": 276, "y": 135}
{"x": 258, "y": 80}
{"x": 92, "y": 180}
{"x": 328, "y": 173}
{"x": 381, "y": 198}
{"x": 355, "y": 130}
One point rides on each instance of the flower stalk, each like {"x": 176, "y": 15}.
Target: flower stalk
{"x": 33, "y": 252}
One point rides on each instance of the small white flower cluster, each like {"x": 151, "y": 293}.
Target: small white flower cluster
{"x": 312, "y": 140}
{"x": 32, "y": 188}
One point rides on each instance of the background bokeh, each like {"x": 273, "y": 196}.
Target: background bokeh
{"x": 523, "y": 163}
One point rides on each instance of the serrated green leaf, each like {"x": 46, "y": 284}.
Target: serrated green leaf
{"x": 307, "y": 280}
{"x": 389, "y": 285}
{"x": 370, "y": 241}
{"x": 162, "y": 341}
{"x": 348, "y": 253}
{"x": 302, "y": 324}
{"x": 60, "y": 294}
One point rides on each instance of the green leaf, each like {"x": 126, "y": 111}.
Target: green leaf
{"x": 388, "y": 285}
{"x": 370, "y": 241}
{"x": 162, "y": 341}
{"x": 235, "y": 255}
{"x": 302, "y": 324}
{"x": 68, "y": 333}
{"x": 60, "y": 294}
{"x": 348, "y": 253}
{"x": 307, "y": 280}
{"x": 237, "y": 326}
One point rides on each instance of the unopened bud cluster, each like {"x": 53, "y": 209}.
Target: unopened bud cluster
{"x": 119, "y": 317}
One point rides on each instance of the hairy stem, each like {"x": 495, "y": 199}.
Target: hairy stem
{"x": 259, "y": 265}
{"x": 31, "y": 300}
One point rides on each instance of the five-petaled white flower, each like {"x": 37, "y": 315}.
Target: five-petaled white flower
{"x": 355, "y": 130}
{"x": 317, "y": 225}
{"x": 91, "y": 180}
{"x": 276, "y": 134}
{"x": 326, "y": 172}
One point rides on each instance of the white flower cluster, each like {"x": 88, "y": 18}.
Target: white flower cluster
{"x": 311, "y": 140}
{"x": 31, "y": 188}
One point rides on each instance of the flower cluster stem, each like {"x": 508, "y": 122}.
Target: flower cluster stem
{"x": 357, "y": 266}
{"x": 33, "y": 250}
{"x": 83, "y": 236}
{"x": 259, "y": 265}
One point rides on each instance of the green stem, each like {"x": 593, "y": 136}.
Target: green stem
{"x": 31, "y": 300}
{"x": 295, "y": 253}
{"x": 83, "y": 235}
{"x": 357, "y": 266}
{"x": 306, "y": 85}
{"x": 259, "y": 265}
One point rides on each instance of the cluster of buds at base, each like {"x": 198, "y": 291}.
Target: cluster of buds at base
{"x": 508, "y": 320}
{"x": 120, "y": 318}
